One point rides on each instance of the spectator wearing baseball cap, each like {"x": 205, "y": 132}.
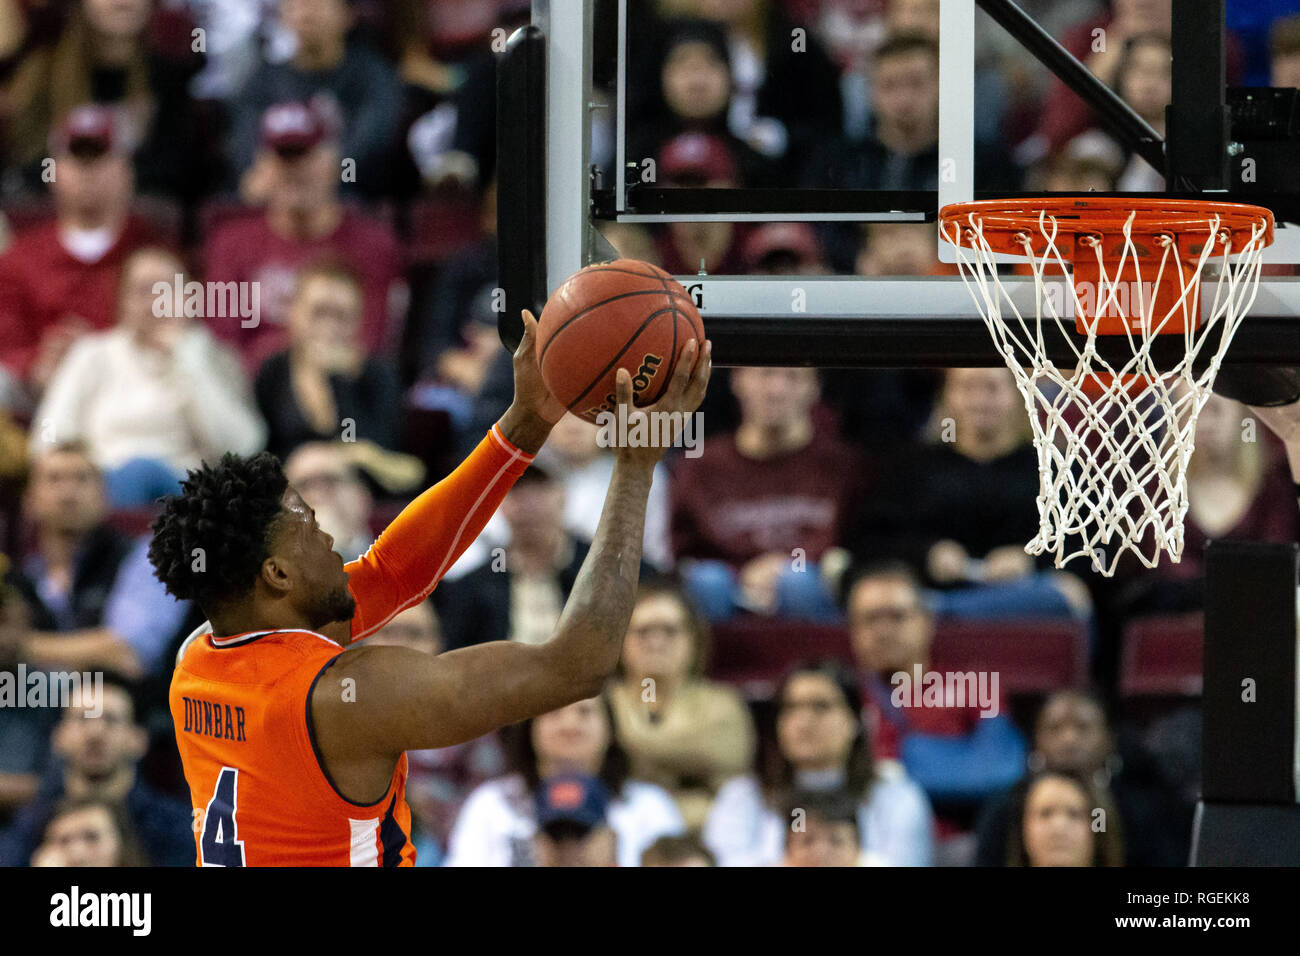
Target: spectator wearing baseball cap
{"x": 326, "y": 63}
{"x": 697, "y": 159}
{"x": 783, "y": 248}
{"x": 59, "y": 279}
{"x": 572, "y": 823}
{"x": 103, "y": 53}
{"x": 305, "y": 220}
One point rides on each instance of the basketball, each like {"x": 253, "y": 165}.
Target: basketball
{"x": 611, "y": 315}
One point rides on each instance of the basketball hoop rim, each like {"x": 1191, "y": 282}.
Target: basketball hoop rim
{"x": 1002, "y": 221}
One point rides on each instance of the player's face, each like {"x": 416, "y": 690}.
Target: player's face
{"x": 309, "y": 552}
{"x": 1072, "y": 735}
{"x": 815, "y": 726}
{"x": 86, "y": 837}
{"x": 889, "y": 626}
{"x": 658, "y": 643}
{"x": 1056, "y": 825}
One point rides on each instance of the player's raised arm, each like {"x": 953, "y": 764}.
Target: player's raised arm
{"x": 411, "y": 555}
{"x": 404, "y": 700}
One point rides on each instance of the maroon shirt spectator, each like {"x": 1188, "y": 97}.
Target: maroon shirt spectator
{"x": 776, "y": 484}
{"x": 305, "y": 221}
{"x": 59, "y": 279}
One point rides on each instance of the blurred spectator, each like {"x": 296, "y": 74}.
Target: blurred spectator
{"x": 345, "y": 77}
{"x": 99, "y": 743}
{"x": 236, "y": 33}
{"x": 824, "y": 830}
{"x": 783, "y": 248}
{"x": 1088, "y": 164}
{"x": 24, "y": 731}
{"x": 454, "y": 143}
{"x": 154, "y": 396}
{"x": 754, "y": 515}
{"x": 1284, "y": 52}
{"x": 677, "y": 851}
{"x": 453, "y": 314}
{"x": 575, "y": 454}
{"x": 959, "y": 510}
{"x": 1099, "y": 42}
{"x": 1054, "y": 825}
{"x": 322, "y": 473}
{"x": 102, "y": 55}
{"x": 1237, "y": 488}
{"x": 685, "y": 733}
{"x": 93, "y": 597}
{"x": 1143, "y": 80}
{"x": 1073, "y": 736}
{"x": 901, "y": 148}
{"x": 786, "y": 93}
{"x": 695, "y": 96}
{"x": 88, "y": 831}
{"x": 572, "y": 823}
{"x": 497, "y": 824}
{"x": 437, "y": 781}
{"x": 59, "y": 279}
{"x": 959, "y": 752}
{"x": 325, "y": 386}
{"x": 304, "y": 222}
{"x": 458, "y": 369}
{"x": 517, "y": 592}
{"x": 699, "y": 159}
{"x": 821, "y": 746}
{"x": 899, "y": 249}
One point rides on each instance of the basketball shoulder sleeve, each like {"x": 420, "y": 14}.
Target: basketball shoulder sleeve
{"x": 412, "y": 554}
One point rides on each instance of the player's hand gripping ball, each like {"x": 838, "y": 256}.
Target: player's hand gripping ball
{"x": 611, "y": 315}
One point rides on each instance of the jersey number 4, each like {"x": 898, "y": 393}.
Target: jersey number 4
{"x": 220, "y": 845}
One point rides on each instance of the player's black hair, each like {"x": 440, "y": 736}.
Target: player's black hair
{"x": 211, "y": 539}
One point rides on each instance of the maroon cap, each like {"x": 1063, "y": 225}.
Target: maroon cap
{"x": 295, "y": 127}
{"x": 697, "y": 154}
{"x": 795, "y": 237}
{"x": 92, "y": 130}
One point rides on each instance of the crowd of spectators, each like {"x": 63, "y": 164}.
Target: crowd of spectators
{"x": 235, "y": 226}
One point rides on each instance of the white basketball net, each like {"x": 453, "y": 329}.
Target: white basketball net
{"x": 1112, "y": 465}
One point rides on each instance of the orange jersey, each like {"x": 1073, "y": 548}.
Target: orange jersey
{"x": 241, "y": 703}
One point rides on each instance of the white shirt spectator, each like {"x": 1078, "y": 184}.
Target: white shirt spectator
{"x": 128, "y": 401}
{"x": 497, "y": 823}
{"x": 895, "y": 820}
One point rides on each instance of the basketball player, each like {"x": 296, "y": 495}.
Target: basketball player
{"x": 293, "y": 746}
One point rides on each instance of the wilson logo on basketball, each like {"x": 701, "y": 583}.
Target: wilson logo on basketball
{"x": 640, "y": 382}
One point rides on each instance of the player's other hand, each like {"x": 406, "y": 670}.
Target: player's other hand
{"x": 678, "y": 402}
